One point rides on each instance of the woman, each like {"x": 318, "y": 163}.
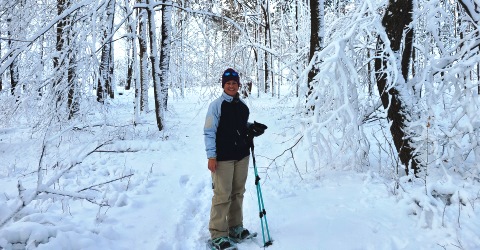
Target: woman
{"x": 227, "y": 145}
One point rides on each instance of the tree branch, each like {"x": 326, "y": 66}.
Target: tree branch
{"x": 83, "y": 189}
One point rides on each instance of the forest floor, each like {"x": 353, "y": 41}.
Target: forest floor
{"x": 163, "y": 195}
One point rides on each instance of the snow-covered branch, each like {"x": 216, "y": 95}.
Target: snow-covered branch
{"x": 10, "y": 55}
{"x": 26, "y": 196}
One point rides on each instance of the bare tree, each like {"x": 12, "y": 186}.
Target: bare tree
{"x": 14, "y": 75}
{"x": 142, "y": 40}
{"x": 12, "y": 16}
{"x": 472, "y": 8}
{"x": 316, "y": 36}
{"x": 64, "y": 61}
{"x": 1, "y": 74}
{"x": 156, "y": 74}
{"x": 267, "y": 61}
{"x": 165, "y": 53}
{"x": 130, "y": 46}
{"x": 105, "y": 80}
{"x": 398, "y": 16}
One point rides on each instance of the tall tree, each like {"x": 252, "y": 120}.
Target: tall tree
{"x": 165, "y": 52}
{"x": 64, "y": 61}
{"x": 472, "y": 8}
{"x": 156, "y": 74}
{"x": 268, "y": 44}
{"x": 61, "y": 36}
{"x": 105, "y": 80}
{"x": 72, "y": 98}
{"x": 143, "y": 53}
{"x": 317, "y": 27}
{"x": 396, "y": 20}
{"x": 14, "y": 24}
{"x": 14, "y": 75}
{"x": 1, "y": 74}
{"x": 133, "y": 74}
{"x": 130, "y": 55}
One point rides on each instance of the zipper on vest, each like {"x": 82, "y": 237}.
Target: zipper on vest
{"x": 238, "y": 135}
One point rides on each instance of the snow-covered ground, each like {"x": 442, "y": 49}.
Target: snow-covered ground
{"x": 162, "y": 198}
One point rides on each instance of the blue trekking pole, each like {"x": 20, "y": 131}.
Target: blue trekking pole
{"x": 261, "y": 206}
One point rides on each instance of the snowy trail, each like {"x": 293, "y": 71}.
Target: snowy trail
{"x": 165, "y": 205}
{"x": 192, "y": 223}
{"x": 331, "y": 215}
{"x": 334, "y": 212}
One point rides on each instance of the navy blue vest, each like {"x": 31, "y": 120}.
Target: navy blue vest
{"x": 231, "y": 142}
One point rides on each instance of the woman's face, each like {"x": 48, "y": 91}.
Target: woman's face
{"x": 231, "y": 87}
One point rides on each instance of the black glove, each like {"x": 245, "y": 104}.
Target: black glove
{"x": 256, "y": 129}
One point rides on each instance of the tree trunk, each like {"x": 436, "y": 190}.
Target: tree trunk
{"x": 182, "y": 61}
{"x": 266, "y": 61}
{"x": 297, "y": 41}
{"x": 13, "y": 69}
{"x": 104, "y": 86}
{"x": 417, "y": 92}
{"x": 110, "y": 84}
{"x": 165, "y": 52}
{"x": 66, "y": 66}
{"x": 72, "y": 99}
{"x": 39, "y": 74}
{"x": 61, "y": 5}
{"x": 271, "y": 78}
{"x": 256, "y": 32}
{"x": 130, "y": 47}
{"x": 130, "y": 56}
{"x": 1, "y": 74}
{"x": 370, "y": 72}
{"x": 137, "y": 84}
{"x": 397, "y": 17}
{"x": 14, "y": 78}
{"x": 60, "y": 61}
{"x": 155, "y": 66}
{"x": 316, "y": 36}
{"x": 142, "y": 40}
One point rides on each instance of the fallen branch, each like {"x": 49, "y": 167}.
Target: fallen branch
{"x": 128, "y": 150}
{"x": 25, "y": 197}
{"x": 105, "y": 183}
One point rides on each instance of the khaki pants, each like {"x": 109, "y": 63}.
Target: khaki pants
{"x": 228, "y": 189}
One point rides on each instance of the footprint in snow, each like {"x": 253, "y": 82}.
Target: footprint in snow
{"x": 192, "y": 211}
{"x": 184, "y": 180}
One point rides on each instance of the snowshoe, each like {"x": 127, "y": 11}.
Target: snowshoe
{"x": 239, "y": 234}
{"x": 221, "y": 243}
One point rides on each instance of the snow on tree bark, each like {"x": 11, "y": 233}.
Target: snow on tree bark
{"x": 142, "y": 40}
{"x": 316, "y": 35}
{"x": 398, "y": 16}
{"x": 158, "y": 95}
{"x": 472, "y": 8}
{"x": 64, "y": 62}
{"x": 165, "y": 52}
{"x": 105, "y": 79}
{"x": 130, "y": 48}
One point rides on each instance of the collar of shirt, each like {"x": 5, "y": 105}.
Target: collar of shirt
{"x": 228, "y": 98}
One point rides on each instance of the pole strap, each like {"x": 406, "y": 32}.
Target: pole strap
{"x": 257, "y": 180}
